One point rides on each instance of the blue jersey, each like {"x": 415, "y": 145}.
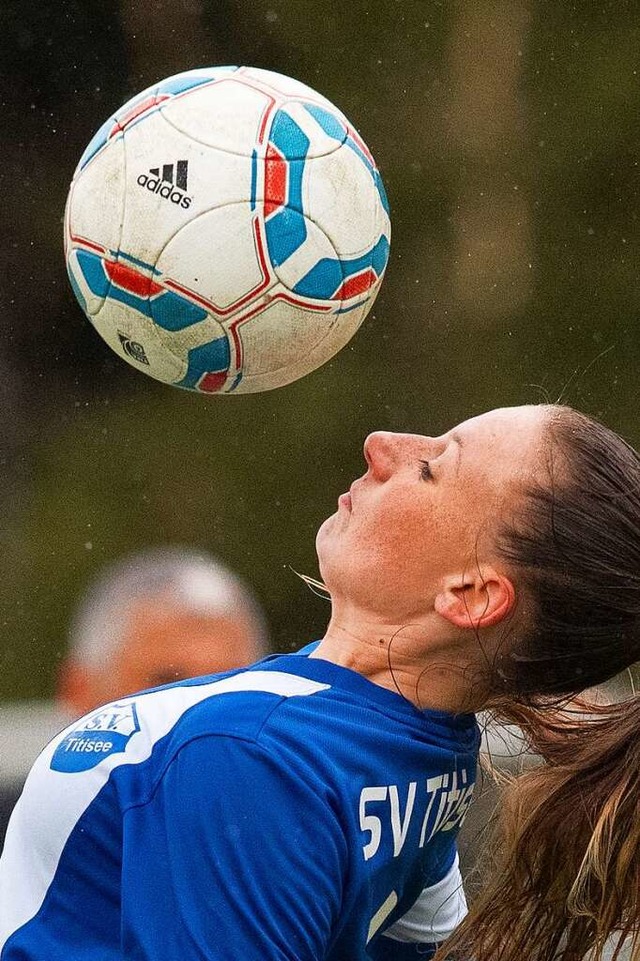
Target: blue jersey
{"x": 291, "y": 811}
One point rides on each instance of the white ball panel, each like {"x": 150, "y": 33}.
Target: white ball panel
{"x": 331, "y": 331}
{"x": 226, "y": 115}
{"x": 95, "y": 208}
{"x": 116, "y": 320}
{"x": 277, "y": 337}
{"x": 340, "y": 334}
{"x": 215, "y": 256}
{"x": 341, "y": 197}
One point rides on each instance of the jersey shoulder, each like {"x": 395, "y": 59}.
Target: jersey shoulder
{"x": 156, "y": 723}
{"x": 238, "y": 705}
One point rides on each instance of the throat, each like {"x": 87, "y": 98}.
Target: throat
{"x": 430, "y": 676}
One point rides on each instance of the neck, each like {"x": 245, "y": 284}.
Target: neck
{"x": 433, "y": 672}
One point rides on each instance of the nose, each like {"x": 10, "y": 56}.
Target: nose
{"x": 385, "y": 451}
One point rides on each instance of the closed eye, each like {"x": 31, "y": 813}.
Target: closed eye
{"x": 425, "y": 470}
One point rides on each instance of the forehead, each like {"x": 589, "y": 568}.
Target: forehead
{"x": 505, "y": 446}
{"x": 506, "y": 426}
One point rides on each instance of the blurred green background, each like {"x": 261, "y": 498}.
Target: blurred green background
{"x": 507, "y": 137}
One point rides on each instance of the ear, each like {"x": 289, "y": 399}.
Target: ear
{"x": 479, "y": 599}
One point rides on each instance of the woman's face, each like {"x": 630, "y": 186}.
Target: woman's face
{"x": 427, "y": 508}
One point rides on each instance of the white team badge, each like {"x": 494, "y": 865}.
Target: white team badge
{"x": 96, "y": 736}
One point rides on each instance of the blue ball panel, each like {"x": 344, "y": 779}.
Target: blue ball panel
{"x": 210, "y": 358}
{"x": 328, "y": 121}
{"x": 172, "y": 312}
{"x": 286, "y": 231}
{"x": 287, "y": 137}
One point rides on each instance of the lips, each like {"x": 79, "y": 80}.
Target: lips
{"x": 345, "y": 500}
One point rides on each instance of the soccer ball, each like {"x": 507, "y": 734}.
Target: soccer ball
{"x": 227, "y": 230}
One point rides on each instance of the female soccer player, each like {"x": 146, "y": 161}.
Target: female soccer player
{"x": 306, "y": 809}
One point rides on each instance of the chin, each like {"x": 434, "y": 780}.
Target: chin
{"x": 323, "y": 545}
{"x": 324, "y": 531}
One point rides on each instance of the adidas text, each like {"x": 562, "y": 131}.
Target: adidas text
{"x": 164, "y": 189}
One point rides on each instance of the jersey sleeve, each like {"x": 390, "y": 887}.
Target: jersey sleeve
{"x": 433, "y": 917}
{"x": 238, "y": 855}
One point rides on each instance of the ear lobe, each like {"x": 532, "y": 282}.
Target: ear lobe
{"x": 478, "y": 600}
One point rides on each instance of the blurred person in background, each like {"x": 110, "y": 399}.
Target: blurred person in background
{"x": 156, "y": 617}
{"x": 150, "y": 618}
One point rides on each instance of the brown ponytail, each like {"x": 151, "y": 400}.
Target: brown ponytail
{"x": 566, "y": 871}
{"x": 566, "y": 874}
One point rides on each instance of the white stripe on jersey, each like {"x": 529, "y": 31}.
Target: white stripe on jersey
{"x": 437, "y": 912}
{"x": 56, "y": 800}
{"x": 382, "y": 914}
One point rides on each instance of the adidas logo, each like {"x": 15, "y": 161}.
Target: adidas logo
{"x": 171, "y": 184}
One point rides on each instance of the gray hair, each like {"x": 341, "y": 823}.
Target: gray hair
{"x": 193, "y": 581}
